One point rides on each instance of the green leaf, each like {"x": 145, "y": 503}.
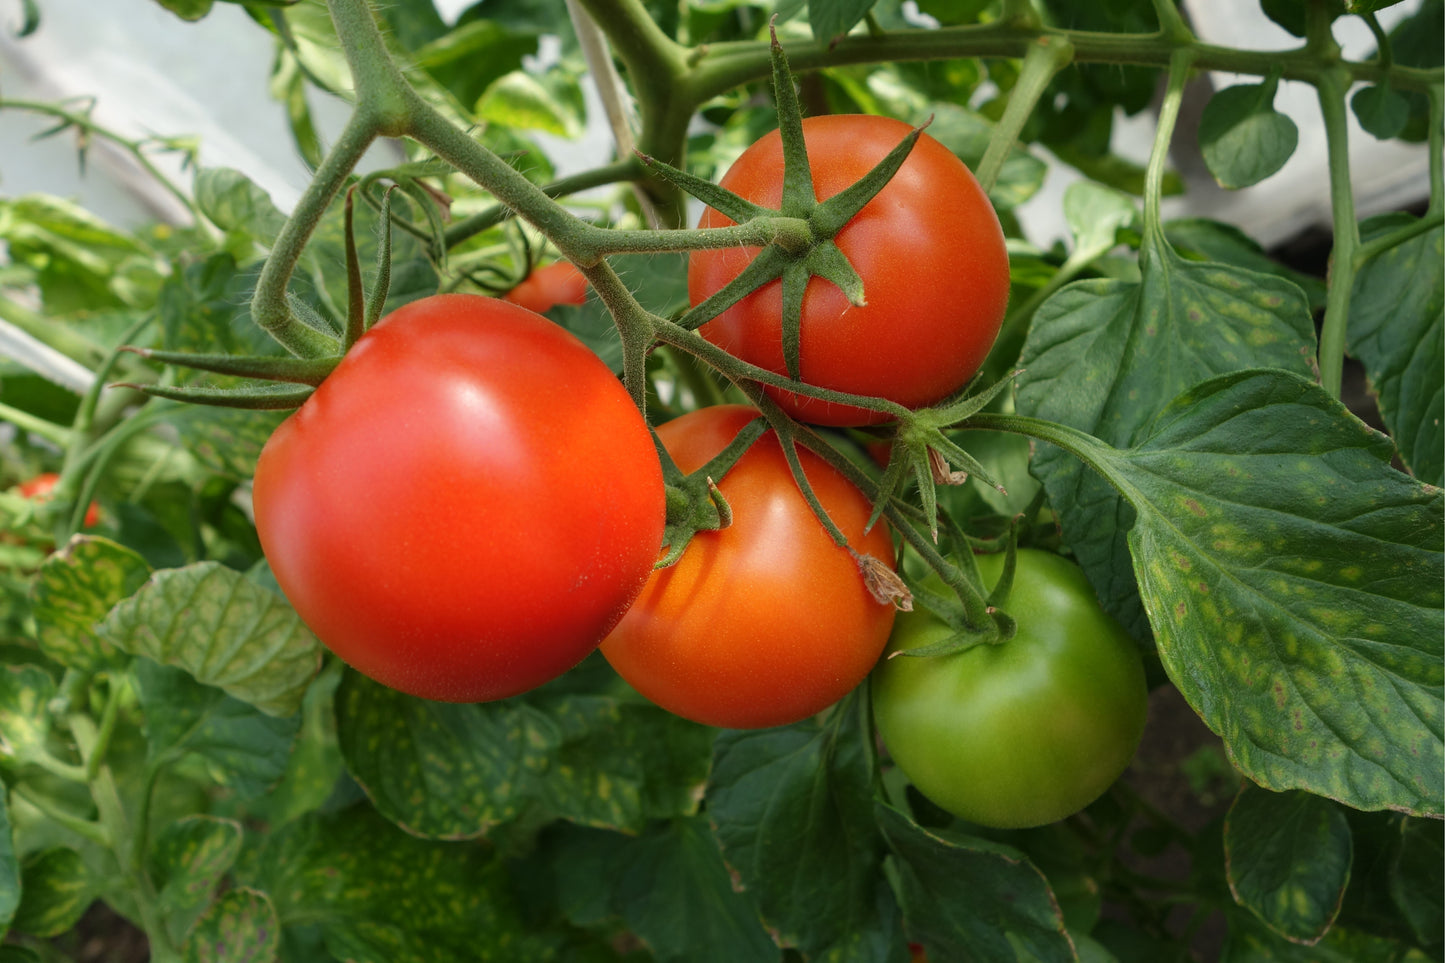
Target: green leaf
{"x": 1293, "y": 14}
{"x": 831, "y": 19}
{"x": 1095, "y": 215}
{"x": 1397, "y": 330}
{"x": 188, "y": 9}
{"x": 801, "y": 796}
{"x": 1417, "y": 879}
{"x": 241, "y": 747}
{"x": 188, "y": 862}
{"x": 1106, "y": 356}
{"x": 1288, "y": 857}
{"x": 57, "y": 891}
{"x": 236, "y": 204}
{"x": 971, "y": 899}
{"x": 379, "y": 895}
{"x": 949, "y": 12}
{"x": 518, "y": 99}
{"x": 80, "y": 263}
{"x": 669, "y": 885}
{"x": 9, "y": 866}
{"x": 1381, "y": 111}
{"x": 456, "y": 771}
{"x": 1201, "y": 239}
{"x": 224, "y": 630}
{"x": 468, "y": 59}
{"x": 240, "y": 928}
{"x": 1243, "y": 138}
{"x": 25, "y": 693}
{"x": 1294, "y": 583}
{"x": 204, "y": 309}
{"x": 72, "y": 593}
{"x": 1250, "y": 941}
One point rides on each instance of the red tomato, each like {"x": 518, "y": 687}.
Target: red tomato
{"x": 467, "y": 505}
{"x": 928, "y": 247}
{"x": 40, "y": 487}
{"x": 767, "y": 621}
{"x": 557, "y": 283}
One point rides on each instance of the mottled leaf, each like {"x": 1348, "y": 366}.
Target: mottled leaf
{"x": 74, "y": 590}
{"x": 801, "y": 796}
{"x": 241, "y": 927}
{"x": 379, "y": 895}
{"x": 1294, "y": 583}
{"x": 224, "y": 630}
{"x": 1202, "y": 239}
{"x": 1397, "y": 330}
{"x": 455, "y": 771}
{"x": 704, "y": 919}
{"x": 187, "y": 863}
{"x": 1288, "y": 857}
{"x": 242, "y": 747}
{"x": 1242, "y": 137}
{"x": 1106, "y": 356}
{"x": 970, "y": 899}
{"x": 25, "y": 693}
{"x": 57, "y": 890}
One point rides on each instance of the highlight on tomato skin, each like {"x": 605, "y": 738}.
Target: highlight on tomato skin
{"x": 765, "y": 622}
{"x": 466, "y": 505}
{"x": 930, "y": 251}
{"x": 547, "y": 286}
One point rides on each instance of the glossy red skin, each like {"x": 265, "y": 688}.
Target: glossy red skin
{"x": 552, "y": 284}
{"x": 765, "y": 622}
{"x": 40, "y": 487}
{"x": 929, "y": 249}
{"x": 467, "y": 505}
{"x": 1025, "y": 732}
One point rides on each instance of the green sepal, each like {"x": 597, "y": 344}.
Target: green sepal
{"x": 306, "y": 371}
{"x": 828, "y": 262}
{"x": 828, "y": 217}
{"x": 376, "y": 301}
{"x": 720, "y": 199}
{"x": 355, "y": 289}
{"x": 262, "y": 398}
{"x": 795, "y": 284}
{"x": 694, "y": 502}
{"x": 310, "y": 318}
{"x": 799, "y": 198}
{"x": 767, "y": 266}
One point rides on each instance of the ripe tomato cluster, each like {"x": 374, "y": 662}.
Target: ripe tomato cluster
{"x": 471, "y": 503}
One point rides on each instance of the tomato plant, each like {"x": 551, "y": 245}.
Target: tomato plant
{"x": 767, "y": 621}
{"x": 1236, "y": 436}
{"x": 404, "y": 507}
{"x": 549, "y": 285}
{"x": 928, "y": 248}
{"x": 40, "y": 487}
{"x": 1026, "y": 731}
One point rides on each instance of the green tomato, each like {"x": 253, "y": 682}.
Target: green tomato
{"x": 1027, "y": 731}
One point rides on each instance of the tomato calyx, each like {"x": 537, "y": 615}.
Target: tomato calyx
{"x": 804, "y": 245}
{"x": 694, "y": 501}
{"x": 922, "y": 451}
